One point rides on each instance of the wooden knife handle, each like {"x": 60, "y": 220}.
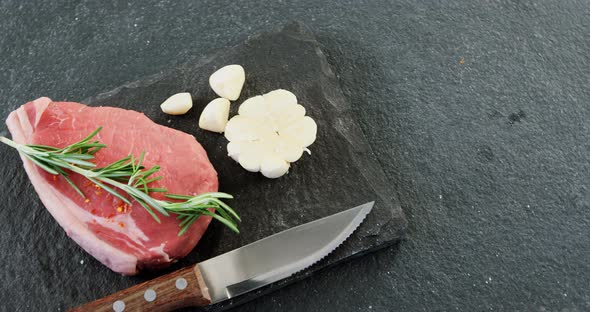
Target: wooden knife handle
{"x": 182, "y": 288}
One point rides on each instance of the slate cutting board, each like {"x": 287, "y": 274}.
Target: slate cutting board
{"x": 341, "y": 173}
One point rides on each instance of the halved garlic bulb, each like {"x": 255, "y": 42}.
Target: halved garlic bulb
{"x": 269, "y": 133}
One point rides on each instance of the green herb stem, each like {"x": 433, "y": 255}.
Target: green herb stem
{"x": 127, "y": 179}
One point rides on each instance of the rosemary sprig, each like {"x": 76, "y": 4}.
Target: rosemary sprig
{"x": 128, "y": 180}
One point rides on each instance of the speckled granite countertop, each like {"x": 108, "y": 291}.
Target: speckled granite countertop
{"x": 477, "y": 111}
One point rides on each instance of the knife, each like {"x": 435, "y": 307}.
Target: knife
{"x": 239, "y": 271}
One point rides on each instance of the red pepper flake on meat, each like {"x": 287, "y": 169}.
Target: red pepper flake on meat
{"x": 122, "y": 207}
{"x": 121, "y": 224}
{"x": 192, "y": 162}
{"x": 54, "y": 177}
{"x": 87, "y": 200}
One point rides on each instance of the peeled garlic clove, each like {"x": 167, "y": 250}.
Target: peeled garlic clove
{"x": 291, "y": 114}
{"x": 304, "y": 130}
{"x": 228, "y": 81}
{"x": 296, "y": 111}
{"x": 249, "y": 162}
{"x": 240, "y": 128}
{"x": 234, "y": 149}
{"x": 280, "y": 96}
{"x": 249, "y": 158}
{"x": 288, "y": 148}
{"x": 178, "y": 104}
{"x": 254, "y": 107}
{"x": 273, "y": 166}
{"x": 214, "y": 116}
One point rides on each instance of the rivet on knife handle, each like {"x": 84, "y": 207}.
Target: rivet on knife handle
{"x": 176, "y": 290}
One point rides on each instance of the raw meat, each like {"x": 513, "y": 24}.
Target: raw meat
{"x": 125, "y": 239}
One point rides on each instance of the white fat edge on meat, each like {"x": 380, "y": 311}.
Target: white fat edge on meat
{"x": 25, "y": 125}
{"x": 60, "y": 206}
{"x": 41, "y": 104}
{"x": 131, "y": 230}
{"x": 160, "y": 251}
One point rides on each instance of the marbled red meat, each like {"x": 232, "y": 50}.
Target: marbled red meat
{"x": 124, "y": 238}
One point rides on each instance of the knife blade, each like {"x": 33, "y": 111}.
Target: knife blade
{"x": 238, "y": 271}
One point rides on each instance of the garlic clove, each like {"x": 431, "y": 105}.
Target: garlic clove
{"x": 215, "y": 115}
{"x": 254, "y": 107}
{"x": 280, "y": 96}
{"x": 228, "y": 81}
{"x": 288, "y": 148}
{"x": 249, "y": 157}
{"x": 234, "y": 149}
{"x": 273, "y": 166}
{"x": 288, "y": 116}
{"x": 178, "y": 104}
{"x": 304, "y": 130}
{"x": 240, "y": 128}
{"x": 249, "y": 162}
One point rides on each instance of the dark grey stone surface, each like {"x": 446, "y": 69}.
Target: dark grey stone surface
{"x": 476, "y": 110}
{"x": 341, "y": 173}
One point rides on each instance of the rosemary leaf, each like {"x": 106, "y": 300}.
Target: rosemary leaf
{"x": 127, "y": 176}
{"x": 40, "y": 164}
{"x": 73, "y": 185}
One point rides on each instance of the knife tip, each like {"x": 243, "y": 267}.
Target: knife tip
{"x": 367, "y": 207}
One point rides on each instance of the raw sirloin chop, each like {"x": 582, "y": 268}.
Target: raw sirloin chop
{"x": 124, "y": 238}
